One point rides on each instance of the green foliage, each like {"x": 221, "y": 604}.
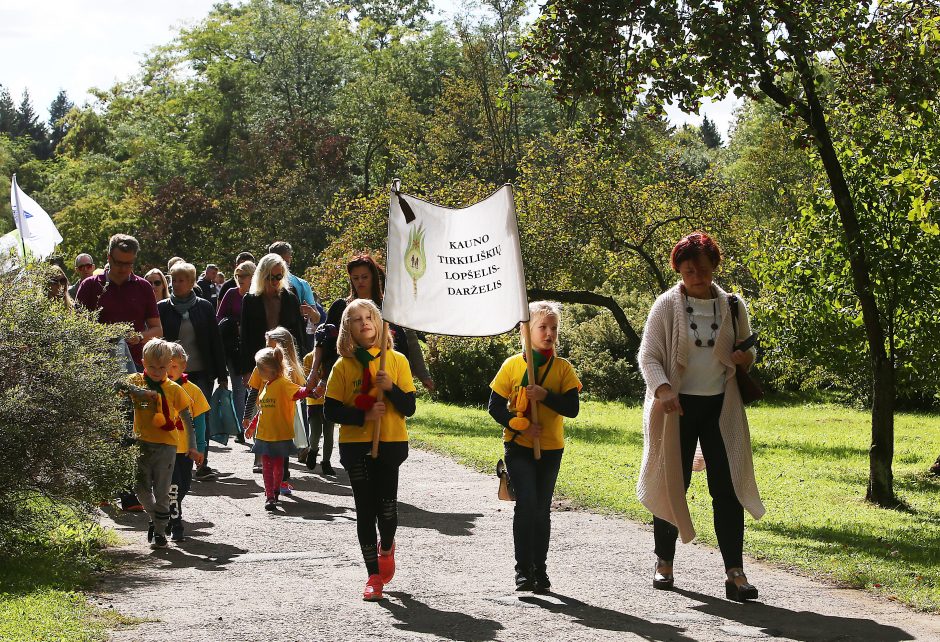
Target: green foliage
{"x": 462, "y": 368}
{"x": 60, "y": 421}
{"x": 810, "y": 462}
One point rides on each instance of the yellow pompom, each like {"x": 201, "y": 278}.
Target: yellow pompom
{"x": 159, "y": 420}
{"x": 519, "y": 423}
{"x": 522, "y": 401}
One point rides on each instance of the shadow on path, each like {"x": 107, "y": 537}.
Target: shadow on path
{"x": 805, "y": 626}
{"x": 445, "y": 523}
{"x": 596, "y": 617}
{"x": 418, "y": 617}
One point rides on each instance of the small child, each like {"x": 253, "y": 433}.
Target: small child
{"x": 275, "y": 423}
{"x": 183, "y": 470}
{"x": 351, "y": 402}
{"x": 317, "y": 366}
{"x": 158, "y": 403}
{"x": 556, "y": 388}
{"x": 279, "y": 337}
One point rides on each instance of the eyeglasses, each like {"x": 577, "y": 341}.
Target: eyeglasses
{"x": 62, "y": 281}
{"x": 156, "y": 284}
{"x": 115, "y": 263}
{"x": 275, "y": 277}
{"x": 84, "y": 265}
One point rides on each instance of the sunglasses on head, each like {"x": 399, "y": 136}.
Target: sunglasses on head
{"x": 275, "y": 277}
{"x": 156, "y": 283}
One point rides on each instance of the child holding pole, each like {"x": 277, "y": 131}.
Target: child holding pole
{"x": 531, "y": 408}
{"x": 369, "y": 368}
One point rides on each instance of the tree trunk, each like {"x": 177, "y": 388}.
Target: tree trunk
{"x": 880, "y": 481}
{"x": 592, "y": 298}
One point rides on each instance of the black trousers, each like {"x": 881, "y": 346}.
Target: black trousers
{"x": 182, "y": 481}
{"x": 206, "y": 385}
{"x": 533, "y": 480}
{"x": 699, "y": 423}
{"x": 375, "y": 492}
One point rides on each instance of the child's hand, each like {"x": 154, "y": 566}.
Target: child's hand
{"x": 250, "y": 431}
{"x": 152, "y": 395}
{"x": 383, "y": 381}
{"x": 319, "y": 391}
{"x": 196, "y": 456}
{"x": 534, "y": 431}
{"x": 376, "y": 412}
{"x": 536, "y": 393}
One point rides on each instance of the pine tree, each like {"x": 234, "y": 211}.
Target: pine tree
{"x": 57, "y": 111}
{"x": 710, "y": 134}
{"x": 27, "y": 124}
{"x": 7, "y": 112}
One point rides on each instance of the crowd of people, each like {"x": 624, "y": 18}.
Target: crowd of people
{"x": 297, "y": 370}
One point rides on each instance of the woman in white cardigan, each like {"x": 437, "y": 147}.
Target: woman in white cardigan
{"x": 688, "y": 358}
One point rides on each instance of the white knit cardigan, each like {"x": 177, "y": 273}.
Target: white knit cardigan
{"x": 663, "y": 359}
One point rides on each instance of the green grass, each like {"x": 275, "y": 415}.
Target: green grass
{"x": 811, "y": 463}
{"x": 41, "y": 582}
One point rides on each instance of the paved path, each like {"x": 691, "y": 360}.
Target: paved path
{"x": 247, "y": 575}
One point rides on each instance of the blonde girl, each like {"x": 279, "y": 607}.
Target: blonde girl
{"x": 556, "y": 389}
{"x": 274, "y": 431}
{"x": 158, "y": 282}
{"x": 278, "y": 337}
{"x": 351, "y": 402}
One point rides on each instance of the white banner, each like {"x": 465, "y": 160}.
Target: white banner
{"x": 455, "y": 271}
{"x": 37, "y": 229}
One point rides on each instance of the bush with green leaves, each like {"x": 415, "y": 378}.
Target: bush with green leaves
{"x": 60, "y": 420}
{"x": 462, "y": 367}
{"x": 598, "y": 350}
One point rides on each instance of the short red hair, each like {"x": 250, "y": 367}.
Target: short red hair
{"x": 694, "y": 246}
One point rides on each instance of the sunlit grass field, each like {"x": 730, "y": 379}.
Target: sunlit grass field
{"x": 811, "y": 463}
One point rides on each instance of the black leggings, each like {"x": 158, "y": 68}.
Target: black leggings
{"x": 699, "y": 423}
{"x": 375, "y": 492}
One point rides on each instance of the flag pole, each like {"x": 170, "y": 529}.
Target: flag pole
{"x": 530, "y": 366}
{"x": 19, "y": 216}
{"x": 380, "y": 395}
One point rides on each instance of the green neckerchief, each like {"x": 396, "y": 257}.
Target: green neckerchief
{"x": 539, "y": 359}
{"x": 364, "y": 357}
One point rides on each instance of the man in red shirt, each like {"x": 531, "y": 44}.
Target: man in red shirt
{"x": 120, "y": 296}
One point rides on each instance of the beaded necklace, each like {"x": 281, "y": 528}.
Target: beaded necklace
{"x": 694, "y": 326}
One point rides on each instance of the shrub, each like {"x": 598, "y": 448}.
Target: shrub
{"x": 462, "y": 368}
{"x": 60, "y": 420}
{"x": 605, "y": 364}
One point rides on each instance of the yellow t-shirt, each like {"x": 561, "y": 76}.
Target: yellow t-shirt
{"x": 145, "y": 409}
{"x": 560, "y": 379}
{"x": 277, "y": 406}
{"x": 344, "y": 383}
{"x": 200, "y": 406}
{"x": 308, "y": 363}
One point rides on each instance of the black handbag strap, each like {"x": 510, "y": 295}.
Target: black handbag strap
{"x": 733, "y": 304}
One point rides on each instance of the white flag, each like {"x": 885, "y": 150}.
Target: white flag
{"x": 36, "y": 228}
{"x": 455, "y": 271}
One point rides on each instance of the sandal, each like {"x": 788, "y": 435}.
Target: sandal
{"x": 661, "y": 579}
{"x": 736, "y": 592}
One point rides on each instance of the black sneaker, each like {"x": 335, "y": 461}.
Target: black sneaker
{"x": 177, "y": 534}
{"x": 270, "y": 504}
{"x": 150, "y": 532}
{"x": 205, "y": 473}
{"x": 327, "y": 469}
{"x": 311, "y": 460}
{"x": 240, "y": 439}
{"x": 524, "y": 582}
{"x": 159, "y": 541}
{"x": 542, "y": 583}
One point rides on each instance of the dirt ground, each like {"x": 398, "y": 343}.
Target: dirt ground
{"x": 247, "y": 575}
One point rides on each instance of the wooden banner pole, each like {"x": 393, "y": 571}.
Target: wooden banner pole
{"x": 380, "y": 395}
{"x": 530, "y": 366}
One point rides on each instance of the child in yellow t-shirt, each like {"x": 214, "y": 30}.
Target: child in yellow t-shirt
{"x": 158, "y": 403}
{"x": 279, "y": 337}
{"x": 556, "y": 388}
{"x": 317, "y": 366}
{"x": 273, "y": 431}
{"x": 351, "y": 402}
{"x": 183, "y": 469}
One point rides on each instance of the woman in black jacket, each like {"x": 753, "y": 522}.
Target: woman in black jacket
{"x": 190, "y": 321}
{"x": 268, "y": 304}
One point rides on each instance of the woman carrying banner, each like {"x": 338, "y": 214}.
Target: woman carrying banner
{"x": 556, "y": 388}
{"x": 351, "y": 401}
{"x": 688, "y": 359}
{"x": 366, "y": 281}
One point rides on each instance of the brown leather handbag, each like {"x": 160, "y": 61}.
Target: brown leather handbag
{"x": 747, "y": 384}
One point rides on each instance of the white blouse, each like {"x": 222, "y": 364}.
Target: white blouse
{"x": 704, "y": 374}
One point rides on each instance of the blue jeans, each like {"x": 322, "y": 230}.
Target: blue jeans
{"x": 239, "y": 391}
{"x": 534, "y": 483}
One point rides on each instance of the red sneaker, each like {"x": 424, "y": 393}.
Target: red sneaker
{"x": 387, "y": 564}
{"x": 373, "y": 590}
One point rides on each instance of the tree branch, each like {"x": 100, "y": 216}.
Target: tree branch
{"x": 591, "y": 298}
